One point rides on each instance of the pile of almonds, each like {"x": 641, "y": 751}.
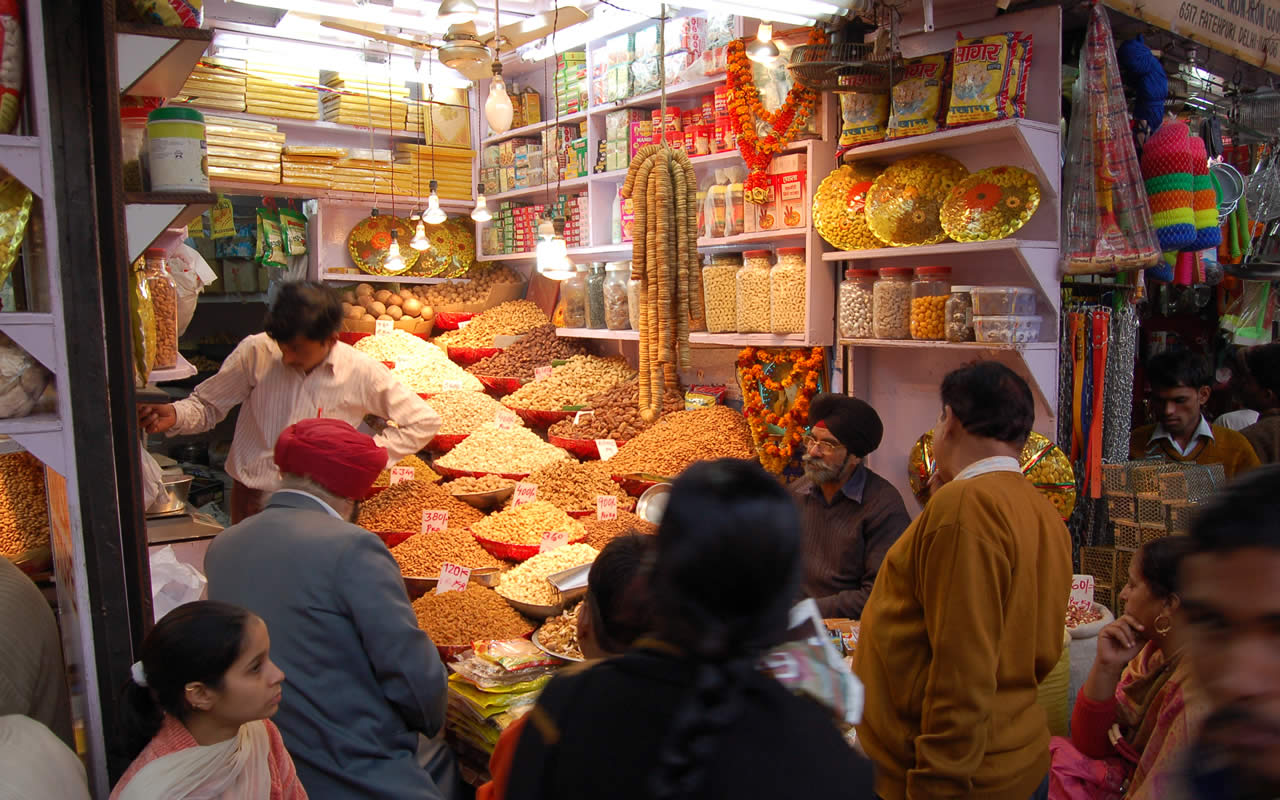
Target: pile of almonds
{"x": 680, "y": 439}
{"x": 572, "y": 383}
{"x": 462, "y": 412}
{"x": 537, "y": 349}
{"x": 509, "y": 319}
{"x": 615, "y": 414}
{"x": 575, "y": 487}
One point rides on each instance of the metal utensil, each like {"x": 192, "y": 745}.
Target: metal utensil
{"x": 653, "y": 503}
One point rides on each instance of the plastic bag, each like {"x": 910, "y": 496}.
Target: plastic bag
{"x": 1249, "y": 317}
{"x": 293, "y": 227}
{"x": 917, "y": 106}
{"x": 22, "y": 380}
{"x": 270, "y": 250}
{"x": 191, "y": 273}
{"x": 173, "y": 583}
{"x": 1105, "y": 216}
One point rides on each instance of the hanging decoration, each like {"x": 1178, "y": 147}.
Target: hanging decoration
{"x": 746, "y": 107}
{"x": 777, "y": 389}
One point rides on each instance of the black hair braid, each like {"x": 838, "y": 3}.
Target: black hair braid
{"x": 713, "y": 704}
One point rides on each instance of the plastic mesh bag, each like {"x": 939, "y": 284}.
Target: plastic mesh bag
{"x": 1105, "y": 215}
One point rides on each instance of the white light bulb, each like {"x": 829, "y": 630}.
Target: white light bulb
{"x": 435, "y": 215}
{"x": 420, "y": 242}
{"x": 497, "y": 106}
{"x": 394, "y": 262}
{"x": 552, "y": 254}
{"x": 763, "y": 50}
{"x": 481, "y": 212}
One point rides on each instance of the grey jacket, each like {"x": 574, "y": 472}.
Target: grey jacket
{"x": 362, "y": 680}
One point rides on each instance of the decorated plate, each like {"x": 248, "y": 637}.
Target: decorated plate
{"x": 1042, "y": 461}
{"x": 991, "y": 204}
{"x": 452, "y": 251}
{"x": 369, "y": 239}
{"x": 904, "y": 203}
{"x": 839, "y": 207}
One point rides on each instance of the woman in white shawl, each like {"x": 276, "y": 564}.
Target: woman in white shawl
{"x": 197, "y": 708}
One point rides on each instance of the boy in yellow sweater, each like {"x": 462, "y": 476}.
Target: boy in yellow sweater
{"x": 1181, "y": 382}
{"x": 966, "y": 616}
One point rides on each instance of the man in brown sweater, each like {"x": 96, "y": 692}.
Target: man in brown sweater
{"x": 1261, "y": 390}
{"x": 966, "y": 617}
{"x": 1181, "y": 382}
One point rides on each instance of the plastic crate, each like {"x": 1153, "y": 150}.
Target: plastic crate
{"x": 1178, "y": 515}
{"x": 1150, "y": 509}
{"x": 1100, "y": 562}
{"x": 1149, "y": 532}
{"x": 1122, "y": 507}
{"x": 1128, "y": 536}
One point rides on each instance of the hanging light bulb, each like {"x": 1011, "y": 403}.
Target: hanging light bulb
{"x": 552, "y": 254}
{"x": 434, "y": 214}
{"x": 481, "y": 212}
{"x": 453, "y": 12}
{"x": 497, "y": 106}
{"x": 762, "y": 50}
{"x": 395, "y": 261}
{"x": 420, "y": 242}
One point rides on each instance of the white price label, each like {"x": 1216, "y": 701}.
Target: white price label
{"x": 608, "y": 448}
{"x": 464, "y": 323}
{"x": 1082, "y": 592}
{"x": 606, "y": 507}
{"x": 505, "y": 419}
{"x": 525, "y": 493}
{"x": 384, "y": 326}
{"x": 433, "y": 520}
{"x": 452, "y": 385}
{"x": 453, "y": 578}
{"x": 553, "y": 539}
{"x": 541, "y": 373}
{"x": 400, "y": 475}
{"x": 581, "y": 415}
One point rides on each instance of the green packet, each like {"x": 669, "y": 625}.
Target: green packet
{"x": 271, "y": 252}
{"x": 294, "y": 230}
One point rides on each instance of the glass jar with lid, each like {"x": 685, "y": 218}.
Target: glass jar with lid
{"x": 164, "y": 300}
{"x": 595, "y": 296}
{"x": 929, "y": 293}
{"x": 787, "y": 291}
{"x": 133, "y": 139}
{"x": 891, "y": 304}
{"x": 752, "y": 292}
{"x": 959, "y": 313}
{"x": 855, "y": 306}
{"x": 634, "y": 287}
{"x": 615, "y": 296}
{"x": 719, "y": 292}
{"x": 574, "y": 292}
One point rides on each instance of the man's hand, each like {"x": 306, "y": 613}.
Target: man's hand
{"x": 157, "y": 418}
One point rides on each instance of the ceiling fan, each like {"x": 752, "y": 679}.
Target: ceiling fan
{"x": 471, "y": 55}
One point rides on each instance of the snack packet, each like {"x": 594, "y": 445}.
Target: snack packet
{"x": 294, "y": 232}
{"x": 1019, "y": 68}
{"x": 917, "y": 97}
{"x": 864, "y": 110}
{"x": 980, "y": 75}
{"x": 270, "y": 246}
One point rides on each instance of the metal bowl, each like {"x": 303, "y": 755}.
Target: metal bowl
{"x": 487, "y": 501}
{"x": 174, "y": 499}
{"x": 653, "y": 502}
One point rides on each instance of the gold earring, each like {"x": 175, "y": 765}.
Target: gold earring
{"x": 1164, "y": 629}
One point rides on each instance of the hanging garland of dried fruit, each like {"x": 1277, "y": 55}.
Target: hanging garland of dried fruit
{"x": 745, "y": 108}
{"x": 777, "y": 388}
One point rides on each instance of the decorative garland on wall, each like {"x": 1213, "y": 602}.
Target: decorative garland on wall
{"x": 777, "y": 415}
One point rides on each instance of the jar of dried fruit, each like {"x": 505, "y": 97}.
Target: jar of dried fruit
{"x": 164, "y": 298}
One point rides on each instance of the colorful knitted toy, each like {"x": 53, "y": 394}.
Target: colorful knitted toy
{"x": 1167, "y": 172}
{"x": 1208, "y": 234}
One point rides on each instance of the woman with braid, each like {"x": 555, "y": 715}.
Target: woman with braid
{"x": 685, "y": 713}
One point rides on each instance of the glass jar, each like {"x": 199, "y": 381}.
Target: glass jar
{"x": 164, "y": 300}
{"x": 855, "y": 304}
{"x": 595, "y": 296}
{"x": 574, "y": 292}
{"x": 615, "y": 296}
{"x": 697, "y": 303}
{"x": 133, "y": 139}
{"x": 752, "y": 292}
{"x": 929, "y": 293}
{"x": 786, "y": 291}
{"x": 891, "y": 304}
{"x": 719, "y": 292}
{"x": 959, "y": 312}
{"x": 634, "y": 287}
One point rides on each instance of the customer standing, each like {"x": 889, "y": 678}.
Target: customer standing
{"x": 1261, "y": 390}
{"x": 849, "y": 515}
{"x": 295, "y": 370}
{"x": 965, "y": 620}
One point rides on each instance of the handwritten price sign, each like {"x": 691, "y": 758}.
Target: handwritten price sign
{"x": 400, "y": 475}
{"x": 525, "y": 493}
{"x": 452, "y": 385}
{"x": 505, "y": 419}
{"x": 608, "y": 448}
{"x": 541, "y": 373}
{"x": 463, "y": 324}
{"x": 383, "y": 326}
{"x": 606, "y": 507}
{"x": 1081, "y": 592}
{"x": 553, "y": 539}
{"x": 453, "y": 578}
{"x": 433, "y": 520}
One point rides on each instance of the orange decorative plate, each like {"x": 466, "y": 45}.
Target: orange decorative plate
{"x": 371, "y": 237}
{"x": 904, "y": 203}
{"x": 991, "y": 204}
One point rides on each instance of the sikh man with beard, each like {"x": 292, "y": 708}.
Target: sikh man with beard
{"x": 850, "y": 515}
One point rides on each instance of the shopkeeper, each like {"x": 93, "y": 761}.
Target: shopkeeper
{"x": 850, "y": 515}
{"x": 295, "y": 370}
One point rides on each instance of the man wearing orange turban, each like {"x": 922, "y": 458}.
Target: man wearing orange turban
{"x": 364, "y": 695}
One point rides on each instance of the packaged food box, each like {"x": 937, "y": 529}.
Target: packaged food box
{"x": 763, "y": 216}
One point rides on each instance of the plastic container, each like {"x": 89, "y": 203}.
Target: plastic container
{"x": 991, "y": 301}
{"x": 959, "y": 311}
{"x": 164, "y": 300}
{"x": 633, "y": 303}
{"x": 615, "y": 296}
{"x": 719, "y": 292}
{"x": 133, "y": 139}
{"x": 1007, "y": 329}
{"x": 595, "y": 296}
{"x": 786, "y": 291}
{"x": 891, "y": 304}
{"x": 574, "y": 291}
{"x": 176, "y": 150}
{"x": 752, "y": 292}
{"x": 855, "y": 306}
{"x": 929, "y": 293}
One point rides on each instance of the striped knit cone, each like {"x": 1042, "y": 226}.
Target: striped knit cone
{"x": 1167, "y": 172}
{"x": 1208, "y": 234}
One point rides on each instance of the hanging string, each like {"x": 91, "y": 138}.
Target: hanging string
{"x": 391, "y": 140}
{"x": 368, "y": 110}
{"x": 662, "y": 71}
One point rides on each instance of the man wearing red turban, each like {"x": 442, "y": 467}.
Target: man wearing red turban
{"x": 364, "y": 695}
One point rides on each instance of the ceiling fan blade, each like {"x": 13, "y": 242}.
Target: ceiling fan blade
{"x": 539, "y": 26}
{"x": 468, "y": 28}
{"x": 381, "y": 37}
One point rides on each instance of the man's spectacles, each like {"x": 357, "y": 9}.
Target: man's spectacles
{"x": 824, "y": 447}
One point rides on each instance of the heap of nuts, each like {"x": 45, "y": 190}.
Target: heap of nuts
{"x": 461, "y": 413}
{"x": 680, "y": 439}
{"x": 527, "y": 583}
{"x": 420, "y": 365}
{"x": 560, "y": 634}
{"x": 456, "y": 619}
{"x": 486, "y": 483}
{"x": 538, "y": 348}
{"x": 525, "y": 524}
{"x": 509, "y": 319}
{"x": 473, "y": 288}
{"x": 24, "y": 505}
{"x": 508, "y": 451}
{"x": 891, "y": 304}
{"x": 614, "y": 414}
{"x": 400, "y": 507}
{"x": 370, "y": 304}
{"x": 421, "y": 471}
{"x": 422, "y": 554}
{"x": 1082, "y": 616}
{"x": 602, "y": 531}
{"x": 572, "y": 383}
{"x": 575, "y": 487}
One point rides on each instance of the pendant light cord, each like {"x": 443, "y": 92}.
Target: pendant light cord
{"x": 368, "y": 106}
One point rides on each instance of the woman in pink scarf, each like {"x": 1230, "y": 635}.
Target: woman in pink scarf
{"x": 1136, "y": 713}
{"x": 197, "y": 709}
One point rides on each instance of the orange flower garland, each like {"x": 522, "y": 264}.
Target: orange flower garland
{"x": 745, "y": 107}
{"x": 753, "y": 373}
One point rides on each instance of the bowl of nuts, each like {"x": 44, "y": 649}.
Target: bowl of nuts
{"x": 485, "y": 493}
{"x": 466, "y": 356}
{"x": 449, "y": 472}
{"x": 1082, "y": 624}
{"x": 444, "y": 442}
{"x": 500, "y": 385}
{"x": 582, "y": 448}
{"x": 540, "y": 418}
{"x": 515, "y": 552}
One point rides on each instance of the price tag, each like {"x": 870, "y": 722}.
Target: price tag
{"x": 433, "y": 520}
{"x": 606, "y": 507}
{"x": 400, "y": 475}
{"x": 553, "y": 539}
{"x": 581, "y": 415}
{"x": 452, "y": 385}
{"x": 525, "y": 493}
{"x": 1082, "y": 592}
{"x": 608, "y": 448}
{"x": 505, "y": 419}
{"x": 453, "y": 578}
{"x": 541, "y": 373}
{"x": 383, "y": 326}
{"x": 463, "y": 323}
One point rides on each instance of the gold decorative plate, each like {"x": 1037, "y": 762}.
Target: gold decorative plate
{"x": 1044, "y": 464}
{"x": 369, "y": 239}
{"x": 990, "y": 204}
{"x": 839, "y": 207}
{"x": 904, "y": 203}
{"x": 452, "y": 251}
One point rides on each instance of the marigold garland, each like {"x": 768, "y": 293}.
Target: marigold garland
{"x": 745, "y": 107}
{"x": 756, "y": 382}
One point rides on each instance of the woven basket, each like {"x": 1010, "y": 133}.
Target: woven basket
{"x": 1122, "y": 507}
{"x": 1100, "y": 562}
{"x": 1128, "y": 536}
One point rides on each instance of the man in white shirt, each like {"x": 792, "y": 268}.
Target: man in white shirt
{"x": 295, "y": 370}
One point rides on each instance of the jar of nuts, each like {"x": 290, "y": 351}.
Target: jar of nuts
{"x": 855, "y": 304}
{"x": 595, "y": 296}
{"x": 752, "y": 292}
{"x": 929, "y": 293}
{"x": 891, "y": 304}
{"x": 615, "y": 296}
{"x": 634, "y": 287}
{"x": 719, "y": 292}
{"x": 574, "y": 292}
{"x": 959, "y": 312}
{"x": 164, "y": 298}
{"x": 786, "y": 291}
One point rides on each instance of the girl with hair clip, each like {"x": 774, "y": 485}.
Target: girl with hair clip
{"x": 686, "y": 713}
{"x": 195, "y": 719}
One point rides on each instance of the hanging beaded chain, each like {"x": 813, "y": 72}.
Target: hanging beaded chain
{"x": 1119, "y": 385}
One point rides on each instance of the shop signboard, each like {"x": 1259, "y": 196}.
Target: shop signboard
{"x": 1245, "y": 29}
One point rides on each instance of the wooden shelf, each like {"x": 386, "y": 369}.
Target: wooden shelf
{"x": 717, "y": 339}
{"x": 33, "y": 332}
{"x": 251, "y": 297}
{"x": 745, "y": 241}
{"x": 680, "y": 91}
{"x": 361, "y": 277}
{"x": 536, "y": 128}
{"x": 181, "y": 371}
{"x": 730, "y": 157}
{"x": 323, "y": 131}
{"x": 20, "y": 155}
{"x": 929, "y": 251}
{"x": 916, "y": 344}
{"x": 36, "y": 423}
{"x": 563, "y": 187}
{"x": 247, "y": 188}
{"x": 149, "y": 214}
{"x": 156, "y": 60}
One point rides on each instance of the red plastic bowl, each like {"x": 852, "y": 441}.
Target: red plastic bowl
{"x": 635, "y": 486}
{"x": 444, "y": 442}
{"x": 499, "y": 385}
{"x": 448, "y": 320}
{"x": 537, "y": 418}
{"x": 582, "y": 448}
{"x": 513, "y": 552}
{"x": 466, "y": 356}
{"x": 393, "y": 538}
{"x": 351, "y": 337}
{"x": 463, "y": 473}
